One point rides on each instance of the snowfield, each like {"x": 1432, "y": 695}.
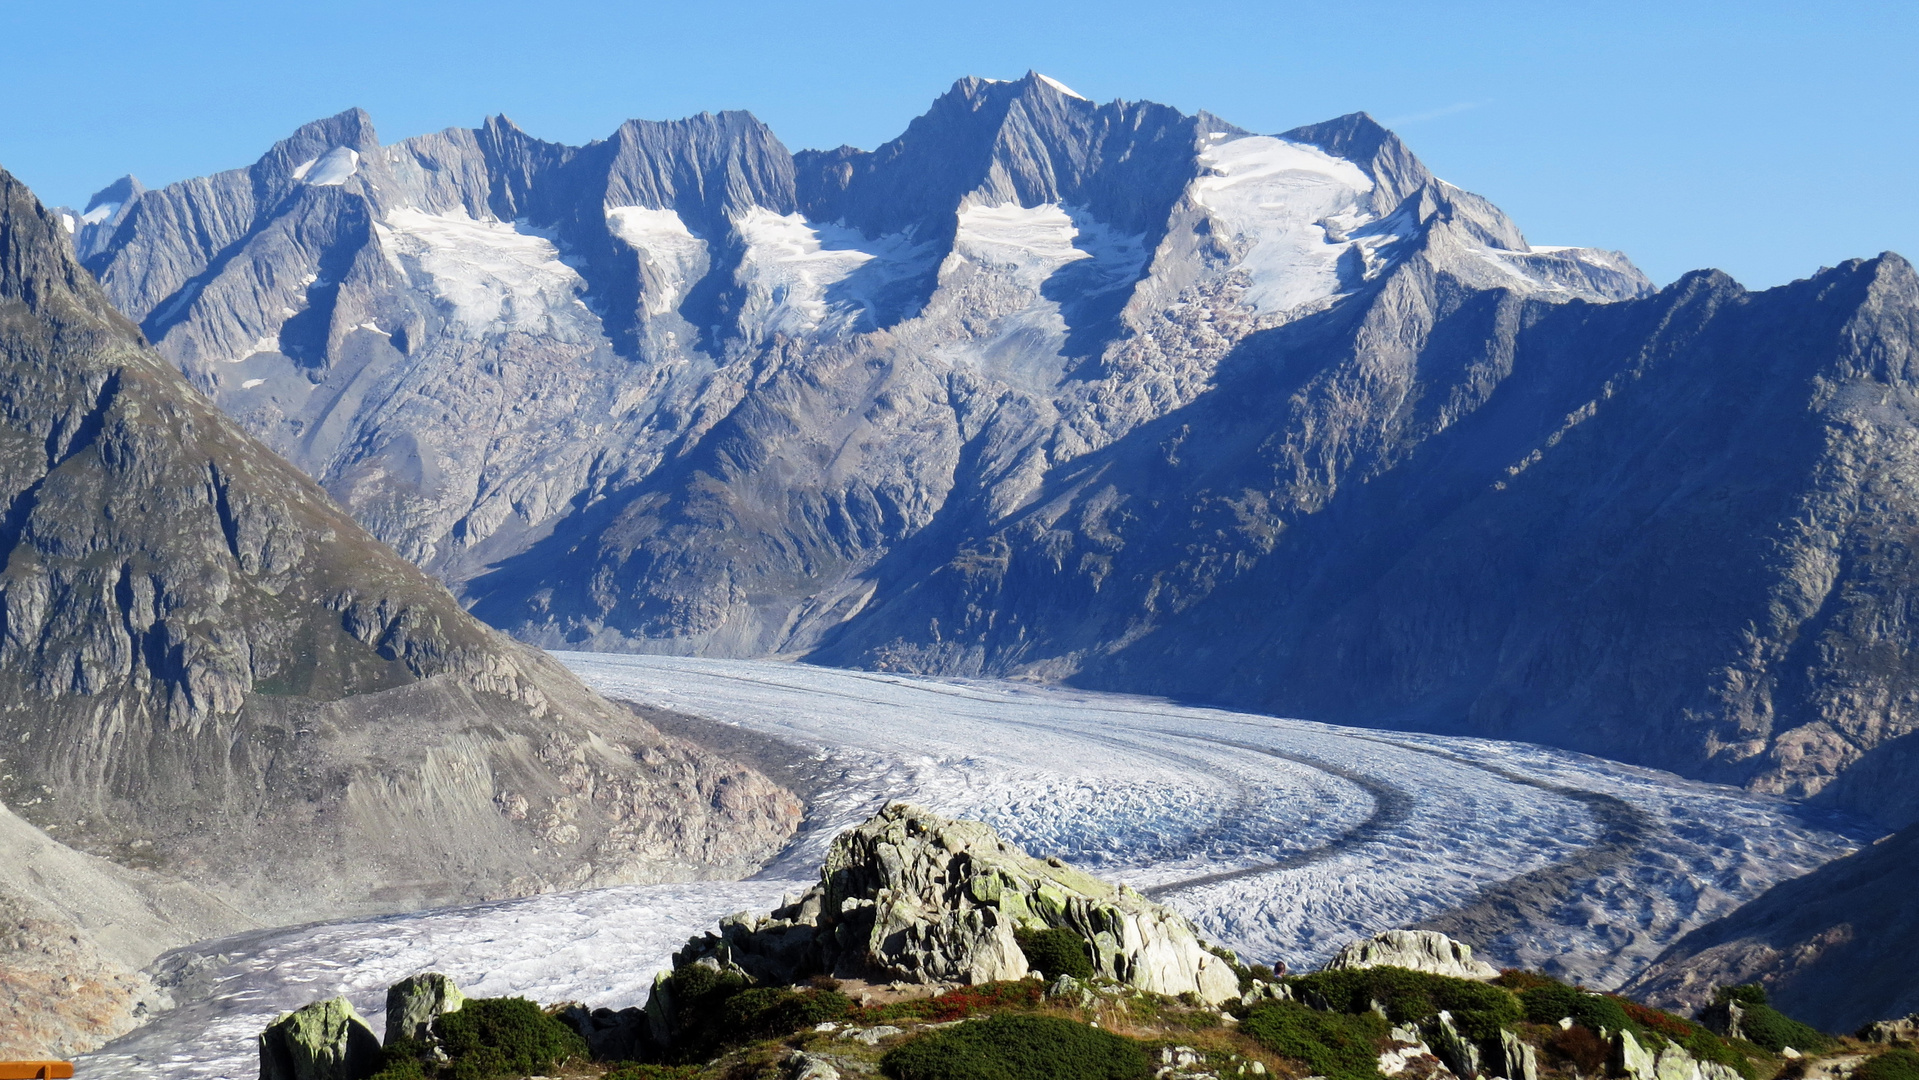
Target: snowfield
{"x": 1282, "y": 839}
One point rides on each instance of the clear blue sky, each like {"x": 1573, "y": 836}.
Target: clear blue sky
{"x": 1766, "y": 139}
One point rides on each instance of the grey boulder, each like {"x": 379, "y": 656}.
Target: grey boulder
{"x": 326, "y": 1040}
{"x": 1419, "y": 950}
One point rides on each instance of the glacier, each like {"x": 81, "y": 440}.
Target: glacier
{"x": 1282, "y": 839}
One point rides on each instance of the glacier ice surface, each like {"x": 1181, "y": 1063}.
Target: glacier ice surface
{"x": 1374, "y": 829}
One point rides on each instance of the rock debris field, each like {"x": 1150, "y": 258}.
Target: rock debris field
{"x": 1282, "y": 839}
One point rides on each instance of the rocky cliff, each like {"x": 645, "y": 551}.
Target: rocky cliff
{"x": 208, "y": 671}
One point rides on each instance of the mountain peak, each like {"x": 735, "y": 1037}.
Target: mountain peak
{"x": 120, "y": 192}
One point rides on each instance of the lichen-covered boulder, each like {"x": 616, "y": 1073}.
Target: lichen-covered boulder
{"x": 413, "y": 1004}
{"x": 1902, "y": 1030}
{"x": 913, "y": 896}
{"x": 326, "y": 1040}
{"x": 1420, "y": 950}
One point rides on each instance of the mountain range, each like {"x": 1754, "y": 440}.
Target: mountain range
{"x": 1104, "y": 393}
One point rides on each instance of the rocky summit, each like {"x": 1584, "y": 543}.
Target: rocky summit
{"x": 224, "y": 704}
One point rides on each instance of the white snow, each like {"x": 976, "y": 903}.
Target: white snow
{"x": 67, "y": 220}
{"x": 251, "y": 383}
{"x": 330, "y": 169}
{"x": 1274, "y": 199}
{"x": 100, "y": 213}
{"x": 1061, "y": 87}
{"x": 494, "y": 277}
{"x": 1034, "y": 242}
{"x": 803, "y": 276}
{"x": 1379, "y": 829}
{"x": 674, "y": 257}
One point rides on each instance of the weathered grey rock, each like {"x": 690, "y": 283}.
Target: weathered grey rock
{"x": 800, "y": 1065}
{"x": 326, "y": 1040}
{"x": 1072, "y": 991}
{"x": 874, "y": 1035}
{"x": 1903, "y": 1030}
{"x": 914, "y": 896}
{"x": 1518, "y": 1059}
{"x": 1725, "y": 1018}
{"x": 1670, "y": 1062}
{"x": 1262, "y": 990}
{"x": 1459, "y": 1053}
{"x": 413, "y": 1004}
{"x": 610, "y": 1034}
{"x": 1419, "y": 950}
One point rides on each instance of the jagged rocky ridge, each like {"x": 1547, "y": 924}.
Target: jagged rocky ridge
{"x": 1104, "y": 393}
{"x": 235, "y": 707}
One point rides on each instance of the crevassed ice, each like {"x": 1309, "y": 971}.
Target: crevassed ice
{"x": 494, "y": 277}
{"x": 672, "y": 257}
{"x": 330, "y": 169}
{"x": 1272, "y": 196}
{"x": 1034, "y": 242}
{"x": 801, "y": 276}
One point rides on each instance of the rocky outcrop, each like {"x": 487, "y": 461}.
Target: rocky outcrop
{"x": 326, "y": 1040}
{"x": 413, "y": 1004}
{"x": 210, "y": 675}
{"x": 1831, "y": 948}
{"x": 916, "y": 897}
{"x": 1669, "y": 1061}
{"x": 1418, "y": 950}
{"x": 1897, "y": 1032}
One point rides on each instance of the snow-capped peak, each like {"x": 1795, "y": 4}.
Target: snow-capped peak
{"x": 1060, "y": 86}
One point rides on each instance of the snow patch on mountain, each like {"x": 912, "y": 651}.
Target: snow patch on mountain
{"x": 492, "y": 277}
{"x": 672, "y": 257}
{"x": 1035, "y": 242}
{"x": 803, "y": 276}
{"x": 1289, "y": 210}
{"x": 1062, "y": 87}
{"x": 330, "y": 169}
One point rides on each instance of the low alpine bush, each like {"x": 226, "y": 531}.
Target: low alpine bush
{"x": 770, "y": 1012}
{"x": 1056, "y": 951}
{"x": 1018, "y": 1048}
{"x": 1892, "y": 1065}
{"x": 1338, "y": 1046}
{"x": 500, "y": 1037}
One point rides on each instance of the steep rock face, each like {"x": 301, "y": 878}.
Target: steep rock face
{"x": 914, "y": 896}
{"x": 680, "y": 390}
{"x": 208, "y": 670}
{"x": 1671, "y": 530}
{"x": 1415, "y": 950}
{"x": 1832, "y": 948}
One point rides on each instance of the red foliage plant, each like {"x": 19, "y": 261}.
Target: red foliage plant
{"x": 958, "y": 1004}
{"x": 1665, "y": 1023}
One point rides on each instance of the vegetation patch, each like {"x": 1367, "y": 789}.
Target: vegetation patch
{"x": 1056, "y": 951}
{"x": 1898, "y": 1064}
{"x": 1018, "y": 1048}
{"x": 1022, "y": 995}
{"x": 1767, "y": 1027}
{"x": 770, "y": 1012}
{"x": 654, "y": 1072}
{"x": 1338, "y": 1046}
{"x": 487, "y": 1039}
{"x": 1479, "y": 1010}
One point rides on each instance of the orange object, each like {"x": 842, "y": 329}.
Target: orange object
{"x": 35, "y": 1070}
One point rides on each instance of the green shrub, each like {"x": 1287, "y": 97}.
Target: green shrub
{"x": 1018, "y": 1048}
{"x": 770, "y": 1012}
{"x": 1479, "y": 1010}
{"x": 1338, "y": 1046}
{"x": 1056, "y": 951}
{"x": 700, "y": 995}
{"x": 1891, "y": 1065}
{"x": 1744, "y": 994}
{"x": 502, "y": 1037}
{"x": 1519, "y": 981}
{"x": 1550, "y": 1004}
{"x": 654, "y": 1072}
{"x": 1770, "y": 1029}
